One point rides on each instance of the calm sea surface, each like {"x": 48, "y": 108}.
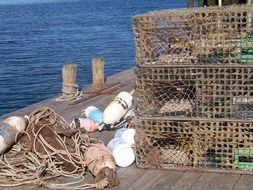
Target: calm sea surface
{"x": 37, "y": 39}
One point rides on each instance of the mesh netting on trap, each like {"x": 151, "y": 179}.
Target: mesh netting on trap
{"x": 171, "y": 98}
{"x": 163, "y": 144}
{"x": 209, "y": 35}
{"x": 196, "y": 91}
{"x": 206, "y": 144}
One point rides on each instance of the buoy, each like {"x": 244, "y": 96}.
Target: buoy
{"x": 98, "y": 157}
{"x": 121, "y": 151}
{"x": 88, "y": 124}
{"x": 9, "y": 129}
{"x": 94, "y": 113}
{"x": 116, "y": 110}
{"x": 127, "y": 134}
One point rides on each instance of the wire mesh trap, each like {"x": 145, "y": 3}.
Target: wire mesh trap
{"x": 203, "y": 91}
{"x": 208, "y": 35}
{"x": 195, "y": 88}
{"x": 206, "y": 144}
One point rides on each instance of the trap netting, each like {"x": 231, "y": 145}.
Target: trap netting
{"x": 207, "y": 144}
{"x": 195, "y": 91}
{"x": 208, "y": 35}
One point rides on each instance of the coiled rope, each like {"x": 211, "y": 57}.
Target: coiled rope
{"x": 49, "y": 148}
{"x": 70, "y": 92}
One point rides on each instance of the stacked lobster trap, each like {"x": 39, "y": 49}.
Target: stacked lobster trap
{"x": 195, "y": 88}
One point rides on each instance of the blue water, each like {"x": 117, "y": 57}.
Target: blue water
{"x": 36, "y": 39}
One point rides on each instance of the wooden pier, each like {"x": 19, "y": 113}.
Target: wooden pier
{"x": 133, "y": 178}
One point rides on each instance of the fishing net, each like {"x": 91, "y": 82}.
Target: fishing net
{"x": 48, "y": 149}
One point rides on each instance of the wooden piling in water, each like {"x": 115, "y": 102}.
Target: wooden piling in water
{"x": 69, "y": 80}
{"x": 201, "y": 3}
{"x": 98, "y": 79}
{"x": 190, "y": 3}
{"x": 69, "y": 74}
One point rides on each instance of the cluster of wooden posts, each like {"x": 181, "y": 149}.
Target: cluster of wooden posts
{"x": 69, "y": 77}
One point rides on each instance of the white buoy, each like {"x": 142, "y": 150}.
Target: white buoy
{"x": 127, "y": 134}
{"x": 116, "y": 110}
{"x": 9, "y": 128}
{"x": 122, "y": 152}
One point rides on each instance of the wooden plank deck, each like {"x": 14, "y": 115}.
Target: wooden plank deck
{"x": 133, "y": 178}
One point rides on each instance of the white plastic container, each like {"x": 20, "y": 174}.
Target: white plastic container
{"x": 127, "y": 134}
{"x": 122, "y": 152}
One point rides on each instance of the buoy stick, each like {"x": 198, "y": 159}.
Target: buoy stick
{"x": 132, "y": 92}
{"x": 220, "y": 3}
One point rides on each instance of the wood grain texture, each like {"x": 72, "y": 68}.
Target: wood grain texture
{"x": 245, "y": 183}
{"x": 156, "y": 179}
{"x": 128, "y": 176}
{"x": 226, "y": 182}
{"x": 206, "y": 181}
{"x": 186, "y": 181}
{"x": 98, "y": 79}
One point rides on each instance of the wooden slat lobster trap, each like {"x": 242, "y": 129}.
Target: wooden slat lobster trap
{"x": 187, "y": 143}
{"x": 208, "y": 35}
{"x": 196, "y": 91}
{"x": 195, "y": 88}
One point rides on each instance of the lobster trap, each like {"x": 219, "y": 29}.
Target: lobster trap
{"x": 195, "y": 91}
{"x": 208, "y": 35}
{"x": 206, "y": 144}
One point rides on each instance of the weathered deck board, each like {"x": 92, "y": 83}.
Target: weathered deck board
{"x": 245, "y": 183}
{"x": 186, "y": 181}
{"x": 128, "y": 176}
{"x": 132, "y": 178}
{"x": 206, "y": 181}
{"x": 226, "y": 181}
{"x": 156, "y": 179}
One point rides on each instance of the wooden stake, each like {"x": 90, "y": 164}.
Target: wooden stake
{"x": 249, "y": 15}
{"x": 201, "y": 3}
{"x": 98, "y": 79}
{"x": 211, "y": 3}
{"x": 69, "y": 74}
{"x": 69, "y": 87}
{"x": 190, "y": 3}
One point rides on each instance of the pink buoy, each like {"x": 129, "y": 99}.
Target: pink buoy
{"x": 85, "y": 123}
